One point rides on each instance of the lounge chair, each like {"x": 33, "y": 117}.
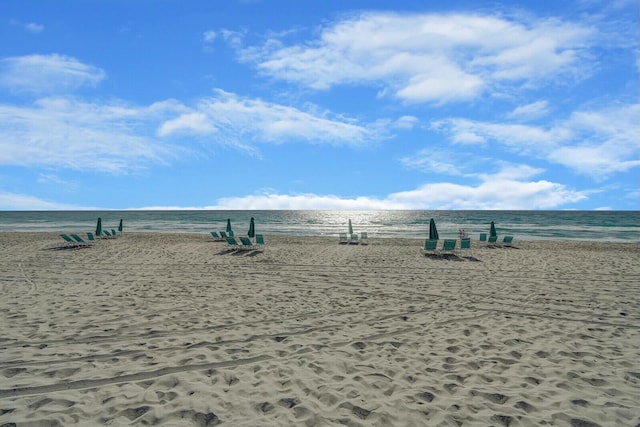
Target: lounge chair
{"x": 217, "y": 237}
{"x": 430, "y": 247}
{"x": 492, "y": 240}
{"x": 448, "y": 247}
{"x": 224, "y": 235}
{"x": 113, "y": 233}
{"x": 483, "y": 238}
{"x": 465, "y": 245}
{"x": 259, "y": 245}
{"x": 247, "y": 244}
{"x": 90, "y": 237}
{"x": 364, "y": 239}
{"x": 68, "y": 241}
{"x": 80, "y": 241}
{"x": 507, "y": 240}
{"x": 343, "y": 238}
{"x": 354, "y": 239}
{"x": 232, "y": 243}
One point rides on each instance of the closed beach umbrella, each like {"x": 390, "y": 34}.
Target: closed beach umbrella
{"x": 229, "y": 230}
{"x": 492, "y": 232}
{"x": 252, "y": 228}
{"x": 120, "y": 226}
{"x": 99, "y": 227}
{"x": 350, "y": 227}
{"x": 433, "y": 231}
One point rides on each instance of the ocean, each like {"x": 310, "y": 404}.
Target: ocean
{"x": 614, "y": 226}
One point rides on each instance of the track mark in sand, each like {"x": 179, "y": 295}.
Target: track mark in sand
{"x": 33, "y": 289}
{"x": 565, "y": 319}
{"x": 93, "y": 383}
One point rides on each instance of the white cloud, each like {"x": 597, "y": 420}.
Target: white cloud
{"x": 47, "y": 73}
{"x": 429, "y": 57}
{"x": 22, "y": 202}
{"x": 209, "y": 36}
{"x": 596, "y": 143}
{"x": 70, "y": 133}
{"x": 510, "y": 188}
{"x": 532, "y": 111}
{"x": 235, "y": 119}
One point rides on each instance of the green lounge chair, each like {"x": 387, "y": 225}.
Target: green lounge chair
{"x": 364, "y": 238}
{"x": 354, "y": 239}
{"x": 343, "y": 238}
{"x": 483, "y": 238}
{"x": 80, "y": 241}
{"x": 259, "y": 245}
{"x": 492, "y": 240}
{"x": 465, "y": 245}
{"x": 68, "y": 241}
{"x": 246, "y": 244}
{"x": 217, "y": 237}
{"x": 430, "y": 247}
{"x": 507, "y": 241}
{"x": 448, "y": 247}
{"x": 90, "y": 237}
{"x": 232, "y": 243}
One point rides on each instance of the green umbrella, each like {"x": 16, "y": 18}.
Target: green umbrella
{"x": 492, "y": 232}
{"x": 120, "y": 227}
{"x": 252, "y": 228}
{"x": 99, "y": 227}
{"x": 433, "y": 231}
{"x": 350, "y": 228}
{"x": 229, "y": 225}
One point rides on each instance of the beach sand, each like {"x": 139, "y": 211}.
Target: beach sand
{"x": 172, "y": 329}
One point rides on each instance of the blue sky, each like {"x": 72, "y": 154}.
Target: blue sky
{"x": 256, "y": 104}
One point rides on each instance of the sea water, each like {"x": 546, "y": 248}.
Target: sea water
{"x": 523, "y": 225}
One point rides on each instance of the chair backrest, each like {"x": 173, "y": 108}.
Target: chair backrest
{"x": 493, "y": 239}
{"x": 465, "y": 243}
{"x": 507, "y": 239}
{"x": 245, "y": 241}
{"x": 230, "y": 233}
{"x": 113, "y": 232}
{"x": 77, "y": 238}
{"x": 449, "y": 245}
{"x": 430, "y": 244}
{"x": 215, "y": 235}
{"x": 67, "y": 238}
{"x": 363, "y": 235}
{"x": 223, "y": 235}
{"x": 106, "y": 233}
{"x": 483, "y": 237}
{"x": 260, "y": 239}
{"x": 231, "y": 241}
{"x": 90, "y": 236}
{"x": 354, "y": 238}
{"x": 343, "y": 237}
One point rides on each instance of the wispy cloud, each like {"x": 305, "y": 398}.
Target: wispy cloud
{"x": 596, "y": 143}
{"x": 47, "y": 74}
{"x": 20, "y": 202}
{"x": 234, "y": 119}
{"x": 430, "y": 57}
{"x": 31, "y": 27}
{"x": 509, "y": 188}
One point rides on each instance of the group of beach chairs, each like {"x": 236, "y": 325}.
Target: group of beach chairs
{"x": 73, "y": 240}
{"x": 245, "y": 243}
{"x": 451, "y": 247}
{"x": 353, "y": 239}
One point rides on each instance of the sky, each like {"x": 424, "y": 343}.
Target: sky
{"x": 332, "y": 104}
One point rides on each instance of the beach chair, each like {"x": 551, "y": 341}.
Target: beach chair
{"x": 483, "y": 238}
{"x": 354, "y": 239}
{"x": 465, "y": 245}
{"x": 246, "y": 244}
{"x": 68, "y": 241}
{"x": 80, "y": 241}
{"x": 232, "y": 243}
{"x": 364, "y": 239}
{"x": 217, "y": 237}
{"x": 224, "y": 235}
{"x": 430, "y": 247}
{"x": 507, "y": 241}
{"x": 343, "y": 238}
{"x": 448, "y": 247}
{"x": 492, "y": 240}
{"x": 90, "y": 237}
{"x": 259, "y": 245}
{"x": 113, "y": 233}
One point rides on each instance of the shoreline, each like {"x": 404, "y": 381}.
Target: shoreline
{"x": 172, "y": 328}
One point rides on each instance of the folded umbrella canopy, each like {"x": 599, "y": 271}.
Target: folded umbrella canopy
{"x": 492, "y": 232}
{"x": 252, "y": 228}
{"x": 99, "y": 227}
{"x": 350, "y": 228}
{"x": 120, "y": 227}
{"x": 433, "y": 231}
